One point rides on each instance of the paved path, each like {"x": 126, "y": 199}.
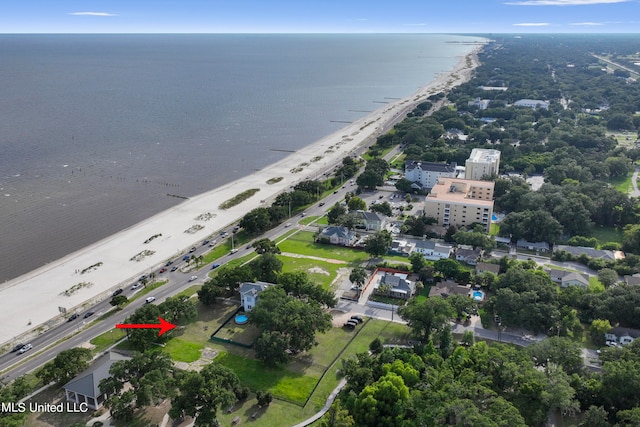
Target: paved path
{"x": 327, "y": 405}
{"x": 634, "y": 182}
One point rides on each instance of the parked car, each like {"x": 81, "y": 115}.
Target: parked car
{"x": 350, "y": 325}
{"x": 73, "y": 317}
{"x": 118, "y": 292}
{"x": 174, "y": 268}
{"x": 89, "y": 314}
{"x": 25, "y": 348}
{"x": 353, "y": 322}
{"x": 357, "y": 318}
{"x": 149, "y": 300}
{"x": 17, "y": 347}
{"x": 192, "y": 278}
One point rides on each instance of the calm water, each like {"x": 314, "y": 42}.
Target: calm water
{"x": 95, "y": 130}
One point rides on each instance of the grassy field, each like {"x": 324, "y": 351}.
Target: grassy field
{"x": 622, "y": 184}
{"x": 316, "y": 220}
{"x": 302, "y": 243}
{"x": 607, "y": 234}
{"x": 320, "y": 272}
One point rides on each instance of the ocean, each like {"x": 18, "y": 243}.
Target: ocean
{"x": 97, "y": 130}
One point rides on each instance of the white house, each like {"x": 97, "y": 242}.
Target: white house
{"x": 337, "y": 236}
{"x": 468, "y": 255}
{"x": 432, "y": 250}
{"x": 395, "y": 285}
{"x": 249, "y": 293}
{"x": 622, "y": 336}
{"x": 426, "y": 174}
{"x": 85, "y": 387}
{"x": 532, "y": 103}
{"x": 370, "y": 220}
{"x": 532, "y": 246}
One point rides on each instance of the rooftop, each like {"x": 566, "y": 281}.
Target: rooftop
{"x": 457, "y": 190}
{"x": 481, "y": 155}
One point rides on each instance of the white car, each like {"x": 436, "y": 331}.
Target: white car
{"x": 149, "y": 300}
{"x": 25, "y": 348}
{"x": 288, "y": 224}
{"x": 192, "y": 278}
{"x": 135, "y": 286}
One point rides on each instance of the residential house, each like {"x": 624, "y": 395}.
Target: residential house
{"x": 632, "y": 280}
{"x": 483, "y": 267}
{"x": 532, "y": 246}
{"x": 566, "y": 278}
{"x": 249, "y": 293}
{"x": 622, "y": 336}
{"x": 85, "y": 387}
{"x": 426, "y": 174}
{"x": 606, "y": 255}
{"x": 482, "y": 104}
{"x": 433, "y": 250}
{"x": 468, "y": 255}
{"x": 395, "y": 285}
{"x": 337, "y": 236}
{"x": 370, "y": 221}
{"x": 401, "y": 247}
{"x": 446, "y": 288}
{"x": 532, "y": 103}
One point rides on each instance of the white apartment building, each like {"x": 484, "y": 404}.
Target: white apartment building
{"x": 426, "y": 174}
{"x": 482, "y": 162}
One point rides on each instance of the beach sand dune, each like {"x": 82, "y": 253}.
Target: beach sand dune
{"x": 31, "y": 302}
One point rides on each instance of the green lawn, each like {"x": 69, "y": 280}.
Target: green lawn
{"x": 302, "y": 243}
{"x": 316, "y": 220}
{"x": 181, "y": 350}
{"x": 607, "y": 234}
{"x": 622, "y": 183}
{"x": 102, "y": 342}
{"x": 320, "y": 272}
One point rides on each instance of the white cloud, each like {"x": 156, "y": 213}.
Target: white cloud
{"x": 532, "y": 24}
{"x": 562, "y": 2}
{"x": 92, "y": 14}
{"x": 587, "y": 24}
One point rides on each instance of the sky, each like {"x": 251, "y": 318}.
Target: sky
{"x": 320, "y": 16}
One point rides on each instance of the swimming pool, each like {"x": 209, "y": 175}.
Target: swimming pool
{"x": 478, "y": 295}
{"x": 241, "y": 319}
{"x": 494, "y": 217}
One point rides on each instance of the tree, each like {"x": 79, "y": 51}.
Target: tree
{"x": 462, "y": 304}
{"x": 384, "y": 208}
{"x": 288, "y": 325}
{"x": 595, "y": 416}
{"x": 598, "y": 329}
{"x": 356, "y": 204}
{"x": 337, "y": 416}
{"x": 335, "y": 212}
{"x": 379, "y": 244}
{"x": 404, "y": 185}
{"x": 119, "y": 300}
{"x": 256, "y": 221}
{"x": 426, "y": 316}
{"x": 178, "y": 309}
{"x": 381, "y": 403}
{"x": 299, "y": 285}
{"x": 631, "y": 238}
{"x": 263, "y": 398}
{"x": 66, "y": 365}
{"x": 369, "y": 179}
{"x": 375, "y": 346}
{"x": 203, "y": 393}
{"x": 266, "y": 267}
{"x": 475, "y": 239}
{"x": 144, "y": 339}
{"x": 608, "y": 277}
{"x": 558, "y": 351}
{"x": 358, "y": 276}
{"x": 417, "y": 261}
{"x": 447, "y": 267}
{"x": 209, "y": 293}
{"x": 266, "y": 245}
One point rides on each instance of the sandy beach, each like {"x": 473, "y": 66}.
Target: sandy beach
{"x": 31, "y": 302}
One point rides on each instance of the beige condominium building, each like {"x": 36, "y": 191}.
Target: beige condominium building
{"x": 460, "y": 202}
{"x": 481, "y": 163}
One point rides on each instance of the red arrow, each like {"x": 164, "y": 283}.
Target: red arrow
{"x": 164, "y": 326}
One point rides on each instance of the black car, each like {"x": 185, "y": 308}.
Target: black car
{"x": 174, "y": 268}
{"x": 74, "y": 316}
{"x": 17, "y": 347}
{"x": 350, "y": 325}
{"x": 168, "y": 263}
{"x": 89, "y": 314}
{"x": 117, "y": 292}
{"x": 358, "y": 319}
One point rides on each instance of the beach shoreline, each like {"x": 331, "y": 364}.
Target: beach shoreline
{"x": 32, "y": 301}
